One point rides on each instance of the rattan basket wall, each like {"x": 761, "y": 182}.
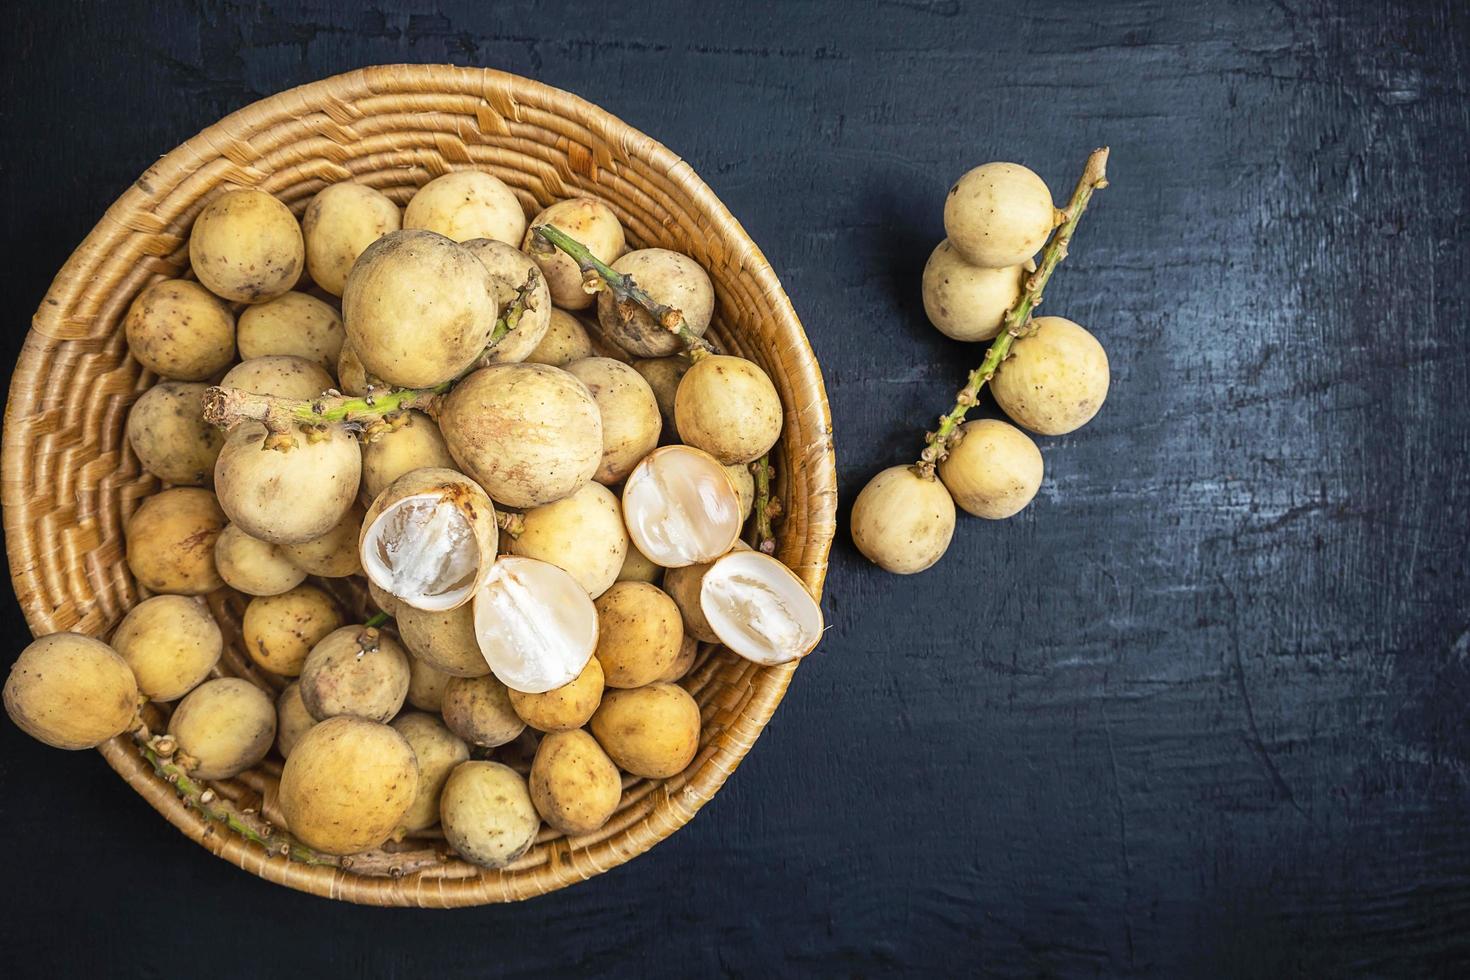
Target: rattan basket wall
{"x": 70, "y": 481}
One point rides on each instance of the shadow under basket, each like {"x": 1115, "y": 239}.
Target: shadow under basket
{"x": 71, "y": 481}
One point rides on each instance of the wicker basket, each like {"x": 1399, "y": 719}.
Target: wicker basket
{"x": 70, "y": 480}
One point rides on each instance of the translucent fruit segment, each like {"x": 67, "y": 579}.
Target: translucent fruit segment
{"x": 759, "y": 609}
{"x": 422, "y": 550}
{"x": 535, "y": 625}
{"x": 681, "y": 507}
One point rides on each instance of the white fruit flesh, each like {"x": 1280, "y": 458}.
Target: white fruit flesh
{"x": 759, "y": 609}
{"x": 535, "y": 625}
{"x": 423, "y": 551}
{"x": 681, "y": 507}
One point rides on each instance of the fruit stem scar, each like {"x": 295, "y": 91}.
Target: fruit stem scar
{"x": 512, "y": 524}
{"x": 938, "y": 443}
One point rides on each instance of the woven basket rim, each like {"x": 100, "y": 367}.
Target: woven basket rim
{"x": 808, "y": 557}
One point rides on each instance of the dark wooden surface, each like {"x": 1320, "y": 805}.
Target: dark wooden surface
{"x": 1201, "y": 710}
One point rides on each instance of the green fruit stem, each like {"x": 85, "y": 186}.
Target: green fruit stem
{"x": 766, "y": 507}
{"x": 623, "y": 288}
{"x": 1018, "y": 318}
{"x": 377, "y": 619}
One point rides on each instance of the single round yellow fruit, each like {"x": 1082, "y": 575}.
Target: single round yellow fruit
{"x": 246, "y": 247}
{"x": 292, "y": 719}
{"x": 582, "y": 534}
{"x": 590, "y": 222}
{"x": 639, "y": 633}
{"x": 510, "y": 269}
{"x": 287, "y": 496}
{"x": 171, "y": 542}
{"x": 467, "y": 204}
{"x": 650, "y": 731}
{"x": 902, "y": 522}
{"x": 419, "y": 308}
{"x": 999, "y": 215}
{"x": 171, "y": 642}
{"x": 437, "y": 751}
{"x": 426, "y": 684}
{"x": 445, "y": 640}
{"x": 167, "y": 431}
{"x": 562, "y": 708}
{"x": 413, "y": 443}
{"x": 175, "y": 328}
{"x": 334, "y": 554}
{"x": 574, "y": 785}
{"x": 1056, "y": 378}
{"x": 728, "y": 407}
{"x": 669, "y": 278}
{"x": 478, "y": 710}
{"x": 71, "y": 692}
{"x": 630, "y": 419}
{"x": 282, "y": 375}
{"x": 224, "y": 726}
{"x": 968, "y": 302}
{"x": 355, "y": 671}
{"x": 339, "y": 224}
{"x": 565, "y": 341}
{"x": 294, "y": 324}
{"x": 487, "y": 813}
{"x": 252, "y": 566}
{"x": 994, "y": 471}
{"x": 280, "y": 630}
{"x": 528, "y": 433}
{"x": 663, "y": 375}
{"x": 348, "y": 784}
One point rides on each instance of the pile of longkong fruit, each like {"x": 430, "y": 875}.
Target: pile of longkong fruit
{"x": 490, "y": 464}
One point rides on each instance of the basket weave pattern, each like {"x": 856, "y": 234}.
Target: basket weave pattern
{"x": 70, "y": 481}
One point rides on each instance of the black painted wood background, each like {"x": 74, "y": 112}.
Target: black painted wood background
{"x": 1201, "y": 710}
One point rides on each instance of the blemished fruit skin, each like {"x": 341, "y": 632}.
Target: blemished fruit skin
{"x": 968, "y": 302}
{"x": 280, "y": 630}
{"x": 994, "y": 471}
{"x": 902, "y": 522}
{"x": 565, "y": 341}
{"x": 171, "y": 642}
{"x": 171, "y": 541}
{"x": 224, "y": 727}
{"x": 465, "y": 205}
{"x": 252, "y": 566}
{"x": 169, "y": 436}
{"x": 348, "y": 784}
{"x": 670, "y": 278}
{"x": 650, "y": 731}
{"x": 445, "y": 640}
{"x": 640, "y": 633}
{"x": 178, "y": 330}
{"x": 355, "y": 671}
{"x": 1055, "y": 379}
{"x": 331, "y": 555}
{"x": 728, "y": 407}
{"x": 478, "y": 710}
{"x": 287, "y": 496}
{"x": 295, "y": 324}
{"x": 71, "y": 691}
{"x": 999, "y": 215}
{"x": 590, "y": 222}
{"x": 282, "y": 375}
{"x": 509, "y": 269}
{"x": 246, "y": 247}
{"x": 292, "y": 719}
{"x": 631, "y": 422}
{"x": 437, "y": 751}
{"x": 564, "y": 708}
{"x": 574, "y": 785}
{"x": 339, "y": 224}
{"x": 487, "y": 813}
{"x": 414, "y": 443}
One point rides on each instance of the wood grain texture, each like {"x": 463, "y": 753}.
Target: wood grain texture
{"x": 1215, "y": 722}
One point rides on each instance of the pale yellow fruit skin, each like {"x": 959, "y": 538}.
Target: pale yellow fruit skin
{"x": 565, "y": 341}
{"x": 590, "y": 222}
{"x": 650, "y": 731}
{"x": 964, "y": 301}
{"x": 252, "y": 566}
{"x": 280, "y": 630}
{"x": 167, "y": 431}
{"x": 385, "y": 601}
{"x": 419, "y": 308}
{"x": 295, "y": 324}
{"x": 247, "y": 247}
{"x": 171, "y": 642}
{"x": 426, "y": 684}
{"x": 467, "y": 204}
{"x": 509, "y": 269}
{"x": 478, "y": 710}
{"x": 71, "y": 691}
{"x": 487, "y": 813}
{"x": 528, "y": 433}
{"x": 352, "y": 377}
{"x": 902, "y": 522}
{"x": 683, "y": 585}
{"x": 582, "y": 534}
{"x": 744, "y": 481}
{"x": 292, "y": 719}
{"x": 334, "y": 554}
{"x": 286, "y": 497}
{"x": 445, "y": 640}
{"x": 639, "y": 634}
{"x": 728, "y": 407}
{"x": 672, "y": 279}
{"x": 171, "y": 542}
{"x": 631, "y": 422}
{"x": 437, "y": 751}
{"x": 999, "y": 215}
{"x": 339, "y": 224}
{"x": 225, "y": 725}
{"x": 413, "y": 445}
{"x": 282, "y": 375}
{"x": 995, "y": 470}
{"x": 637, "y": 567}
{"x": 574, "y": 785}
{"x": 683, "y": 663}
{"x": 1055, "y": 379}
{"x": 663, "y": 375}
{"x": 348, "y": 784}
{"x": 350, "y": 673}
{"x": 176, "y": 329}
{"x": 563, "y": 708}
